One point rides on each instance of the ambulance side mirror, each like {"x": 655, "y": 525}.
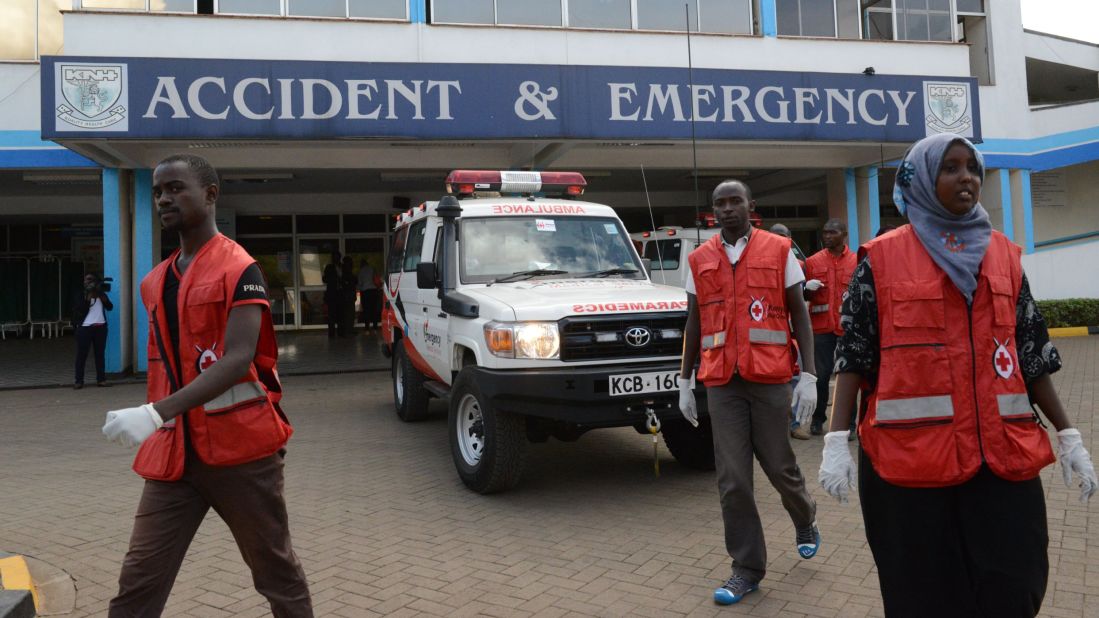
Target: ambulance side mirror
{"x": 647, "y": 264}
{"x": 427, "y": 276}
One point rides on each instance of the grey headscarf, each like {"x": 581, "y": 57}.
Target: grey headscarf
{"x": 957, "y": 243}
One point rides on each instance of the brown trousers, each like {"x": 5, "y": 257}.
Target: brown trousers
{"x": 751, "y": 418}
{"x": 249, "y": 499}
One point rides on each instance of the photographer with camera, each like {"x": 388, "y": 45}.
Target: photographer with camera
{"x": 90, "y": 323}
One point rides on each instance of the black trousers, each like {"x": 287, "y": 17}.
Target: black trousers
{"x": 87, "y": 338}
{"x": 978, "y": 549}
{"x": 824, "y": 354}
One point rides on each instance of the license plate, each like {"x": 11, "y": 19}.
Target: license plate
{"x": 639, "y": 383}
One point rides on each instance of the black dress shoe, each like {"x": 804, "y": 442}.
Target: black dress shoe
{"x": 816, "y": 429}
{"x": 78, "y": 386}
{"x": 102, "y": 384}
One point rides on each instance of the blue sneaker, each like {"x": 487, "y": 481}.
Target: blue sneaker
{"x": 808, "y": 539}
{"x": 733, "y": 590}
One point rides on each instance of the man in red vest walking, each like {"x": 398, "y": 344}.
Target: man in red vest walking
{"x": 828, "y": 271}
{"x": 743, "y": 293}
{"x": 214, "y": 433}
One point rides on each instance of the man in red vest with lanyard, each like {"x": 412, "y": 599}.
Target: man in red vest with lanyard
{"x": 828, "y": 271}
{"x": 743, "y": 294}
{"x": 213, "y": 433}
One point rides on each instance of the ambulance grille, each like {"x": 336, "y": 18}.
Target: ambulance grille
{"x": 605, "y": 337}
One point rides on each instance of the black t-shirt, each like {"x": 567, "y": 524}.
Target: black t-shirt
{"x": 250, "y": 287}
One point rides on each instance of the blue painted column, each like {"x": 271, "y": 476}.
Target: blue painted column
{"x": 144, "y": 259}
{"x": 114, "y": 264}
{"x": 417, "y": 11}
{"x": 873, "y": 201}
{"x": 851, "y": 189}
{"x": 1028, "y": 211}
{"x": 1005, "y": 204}
{"x": 768, "y": 18}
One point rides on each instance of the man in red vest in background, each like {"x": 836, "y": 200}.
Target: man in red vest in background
{"x": 743, "y": 294}
{"x": 828, "y": 272}
{"x": 213, "y": 434}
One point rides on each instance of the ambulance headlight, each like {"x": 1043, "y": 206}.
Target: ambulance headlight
{"x": 537, "y": 340}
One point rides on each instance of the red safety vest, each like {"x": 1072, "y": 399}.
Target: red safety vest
{"x": 835, "y": 273}
{"x": 240, "y": 425}
{"x": 950, "y": 392}
{"x": 742, "y": 310}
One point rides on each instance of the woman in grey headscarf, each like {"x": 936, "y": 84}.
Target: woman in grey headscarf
{"x": 947, "y": 344}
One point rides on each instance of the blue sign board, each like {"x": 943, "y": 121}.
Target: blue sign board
{"x": 152, "y": 98}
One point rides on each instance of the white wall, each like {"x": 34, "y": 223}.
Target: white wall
{"x": 114, "y": 34}
{"x": 19, "y": 100}
{"x": 1045, "y": 270}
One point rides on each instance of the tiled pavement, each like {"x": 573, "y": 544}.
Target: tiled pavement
{"x": 383, "y": 526}
{"x": 38, "y": 362}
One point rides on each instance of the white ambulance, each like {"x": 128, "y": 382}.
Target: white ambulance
{"x": 533, "y": 317}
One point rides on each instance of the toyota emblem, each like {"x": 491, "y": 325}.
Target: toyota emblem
{"x": 638, "y": 336}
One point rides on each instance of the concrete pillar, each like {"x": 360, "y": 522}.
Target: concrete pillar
{"x": 768, "y": 18}
{"x": 417, "y": 11}
{"x": 1022, "y": 210}
{"x": 117, "y": 265}
{"x": 867, "y": 207}
{"x": 996, "y": 198}
{"x": 146, "y": 243}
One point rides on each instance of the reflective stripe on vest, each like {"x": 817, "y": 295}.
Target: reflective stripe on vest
{"x": 1014, "y": 404}
{"x": 763, "y": 335}
{"x": 238, "y": 393}
{"x": 819, "y": 309}
{"x": 716, "y": 340}
{"x": 915, "y": 409}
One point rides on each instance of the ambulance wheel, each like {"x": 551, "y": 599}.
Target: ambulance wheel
{"x": 692, "y": 447}
{"x": 488, "y": 446}
{"x": 409, "y": 395}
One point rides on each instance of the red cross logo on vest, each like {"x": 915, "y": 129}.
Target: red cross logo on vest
{"x": 206, "y": 357}
{"x": 756, "y": 310}
{"x": 1002, "y": 361}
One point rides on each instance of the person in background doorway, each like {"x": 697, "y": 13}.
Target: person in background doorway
{"x": 348, "y": 293}
{"x": 940, "y": 328}
{"x": 828, "y": 271}
{"x": 332, "y": 302}
{"x": 743, "y": 292}
{"x": 370, "y": 296}
{"x": 90, "y": 324}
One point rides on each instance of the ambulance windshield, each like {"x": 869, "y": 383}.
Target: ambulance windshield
{"x": 496, "y": 247}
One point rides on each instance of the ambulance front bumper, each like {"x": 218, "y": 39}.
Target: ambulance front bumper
{"x": 582, "y": 395}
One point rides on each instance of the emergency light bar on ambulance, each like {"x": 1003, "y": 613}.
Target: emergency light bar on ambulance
{"x": 467, "y": 182}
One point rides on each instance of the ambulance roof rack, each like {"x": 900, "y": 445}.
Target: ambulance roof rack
{"x": 465, "y": 183}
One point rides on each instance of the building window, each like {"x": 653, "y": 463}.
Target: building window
{"x": 806, "y": 17}
{"x": 379, "y": 9}
{"x": 718, "y": 16}
{"x": 30, "y": 28}
{"x": 249, "y": 7}
{"x": 916, "y": 20}
{"x": 529, "y": 12}
{"x": 615, "y": 14}
{"x": 316, "y": 8}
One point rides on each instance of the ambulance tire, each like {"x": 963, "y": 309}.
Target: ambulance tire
{"x": 489, "y": 446}
{"x": 409, "y": 395}
{"x": 692, "y": 447}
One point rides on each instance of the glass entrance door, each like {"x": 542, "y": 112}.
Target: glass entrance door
{"x": 313, "y": 255}
{"x": 370, "y": 251}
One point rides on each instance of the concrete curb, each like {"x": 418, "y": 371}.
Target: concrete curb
{"x": 1074, "y": 331}
{"x": 18, "y": 597}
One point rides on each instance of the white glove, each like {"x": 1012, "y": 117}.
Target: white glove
{"x": 837, "y": 470}
{"x": 814, "y": 284}
{"x": 805, "y": 397}
{"x": 132, "y": 426}
{"x": 687, "y": 404}
{"x": 1075, "y": 458}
